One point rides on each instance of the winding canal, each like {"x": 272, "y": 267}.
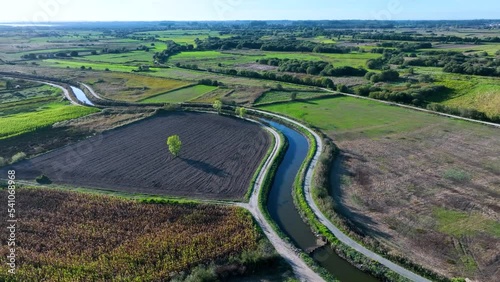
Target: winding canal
{"x": 81, "y": 96}
{"x": 282, "y": 210}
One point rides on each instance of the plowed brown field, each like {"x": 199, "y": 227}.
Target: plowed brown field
{"x": 218, "y": 158}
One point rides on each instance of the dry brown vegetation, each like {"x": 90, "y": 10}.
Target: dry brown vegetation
{"x": 112, "y": 85}
{"x": 65, "y": 236}
{"x": 431, "y": 194}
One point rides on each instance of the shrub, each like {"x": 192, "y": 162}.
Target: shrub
{"x": 18, "y": 157}
{"x": 43, "y": 179}
{"x": 457, "y": 175}
{"x": 200, "y": 274}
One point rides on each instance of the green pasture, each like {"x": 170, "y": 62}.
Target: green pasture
{"x": 349, "y": 118}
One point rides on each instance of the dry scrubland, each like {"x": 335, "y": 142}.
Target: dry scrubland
{"x": 218, "y": 158}
{"x": 65, "y": 236}
{"x": 425, "y": 186}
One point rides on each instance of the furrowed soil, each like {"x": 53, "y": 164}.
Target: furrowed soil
{"x": 218, "y": 158}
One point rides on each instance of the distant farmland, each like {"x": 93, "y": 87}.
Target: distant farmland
{"x": 218, "y": 158}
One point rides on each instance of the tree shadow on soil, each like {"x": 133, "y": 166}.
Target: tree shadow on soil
{"x": 205, "y": 167}
{"x": 359, "y": 222}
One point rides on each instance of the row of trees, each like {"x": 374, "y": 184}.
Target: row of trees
{"x": 414, "y": 37}
{"x": 172, "y": 49}
{"x": 311, "y": 81}
{"x": 285, "y": 45}
{"x": 454, "y": 62}
{"x": 384, "y": 76}
{"x": 406, "y": 46}
{"x": 417, "y": 96}
{"x": 312, "y": 67}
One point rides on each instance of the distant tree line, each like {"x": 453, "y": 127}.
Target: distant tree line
{"x": 285, "y": 45}
{"x": 453, "y": 62}
{"x": 417, "y": 95}
{"x": 384, "y": 76}
{"x": 413, "y": 37}
{"x": 406, "y": 46}
{"x": 308, "y": 80}
{"x": 312, "y": 67}
{"x": 172, "y": 49}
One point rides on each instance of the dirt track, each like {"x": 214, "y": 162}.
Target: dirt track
{"x": 218, "y": 158}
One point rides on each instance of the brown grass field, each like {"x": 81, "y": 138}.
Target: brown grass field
{"x": 218, "y": 158}
{"x": 424, "y": 186}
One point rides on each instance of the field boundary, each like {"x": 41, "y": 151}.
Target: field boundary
{"x": 415, "y": 108}
{"x": 163, "y": 93}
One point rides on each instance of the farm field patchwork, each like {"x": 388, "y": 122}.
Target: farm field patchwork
{"x": 181, "y": 95}
{"x": 406, "y": 175}
{"x": 218, "y": 158}
{"x": 130, "y": 87}
{"x": 112, "y": 238}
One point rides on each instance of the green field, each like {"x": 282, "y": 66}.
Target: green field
{"x": 355, "y": 118}
{"x": 282, "y": 96}
{"x": 181, "y": 95}
{"x": 458, "y": 223}
{"x": 60, "y": 63}
{"x": 181, "y": 36}
{"x": 134, "y": 57}
{"x": 17, "y": 124}
{"x": 213, "y": 58}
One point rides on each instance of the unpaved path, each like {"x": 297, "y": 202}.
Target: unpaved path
{"x": 65, "y": 92}
{"x": 92, "y": 91}
{"x": 302, "y": 271}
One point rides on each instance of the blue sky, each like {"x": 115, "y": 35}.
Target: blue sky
{"x": 154, "y": 10}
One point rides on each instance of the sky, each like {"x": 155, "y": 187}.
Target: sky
{"x": 202, "y": 10}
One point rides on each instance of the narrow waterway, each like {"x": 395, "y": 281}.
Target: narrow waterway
{"x": 283, "y": 212}
{"x": 81, "y": 96}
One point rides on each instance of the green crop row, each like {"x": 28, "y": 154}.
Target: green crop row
{"x": 18, "y": 124}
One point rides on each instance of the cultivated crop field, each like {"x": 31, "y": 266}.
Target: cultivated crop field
{"x": 67, "y": 236}
{"x": 12, "y": 125}
{"x": 218, "y": 158}
{"x": 283, "y": 96}
{"x": 181, "y": 95}
{"x": 425, "y": 186}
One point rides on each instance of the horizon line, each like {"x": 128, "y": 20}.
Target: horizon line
{"x": 246, "y": 20}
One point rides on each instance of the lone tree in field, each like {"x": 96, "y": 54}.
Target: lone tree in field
{"x": 293, "y": 96}
{"x": 240, "y": 111}
{"x": 174, "y": 145}
{"x": 218, "y": 106}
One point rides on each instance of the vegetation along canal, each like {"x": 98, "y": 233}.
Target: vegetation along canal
{"x": 282, "y": 209}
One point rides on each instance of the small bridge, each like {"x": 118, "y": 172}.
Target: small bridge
{"x": 320, "y": 242}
